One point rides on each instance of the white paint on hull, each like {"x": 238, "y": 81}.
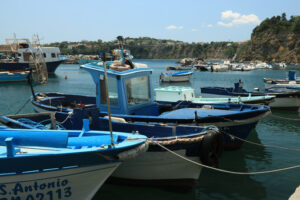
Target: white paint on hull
{"x": 73, "y": 183}
{"x": 285, "y": 102}
{"x": 159, "y": 166}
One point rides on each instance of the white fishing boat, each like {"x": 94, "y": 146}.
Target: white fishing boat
{"x": 263, "y": 65}
{"x": 17, "y": 51}
{"x": 281, "y": 65}
{"x": 219, "y": 68}
{"x": 181, "y": 76}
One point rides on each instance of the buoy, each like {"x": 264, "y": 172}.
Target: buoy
{"x": 66, "y": 77}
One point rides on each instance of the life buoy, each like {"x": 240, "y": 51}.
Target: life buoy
{"x": 119, "y": 67}
{"x": 211, "y": 148}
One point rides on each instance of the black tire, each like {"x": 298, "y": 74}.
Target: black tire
{"x": 212, "y": 147}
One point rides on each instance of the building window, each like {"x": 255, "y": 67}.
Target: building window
{"x": 53, "y": 55}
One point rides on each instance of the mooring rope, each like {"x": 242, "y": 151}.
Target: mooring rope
{"x": 22, "y": 106}
{"x": 227, "y": 171}
{"x": 263, "y": 145}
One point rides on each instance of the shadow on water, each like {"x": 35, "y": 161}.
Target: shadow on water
{"x": 218, "y": 185}
{"x": 122, "y": 192}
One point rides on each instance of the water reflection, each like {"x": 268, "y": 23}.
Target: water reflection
{"x": 217, "y": 185}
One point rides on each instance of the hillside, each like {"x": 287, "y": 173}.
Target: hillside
{"x": 150, "y": 48}
{"x": 274, "y": 40}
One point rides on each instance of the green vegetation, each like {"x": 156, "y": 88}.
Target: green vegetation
{"x": 274, "y": 40}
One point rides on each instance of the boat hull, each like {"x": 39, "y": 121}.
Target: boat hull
{"x": 13, "y": 77}
{"x": 51, "y": 66}
{"x": 73, "y": 183}
{"x": 170, "y": 78}
{"x": 159, "y": 168}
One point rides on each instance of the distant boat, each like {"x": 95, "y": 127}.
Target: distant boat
{"x": 182, "y": 76}
{"x": 176, "y": 93}
{"x": 180, "y": 67}
{"x": 13, "y": 76}
{"x": 291, "y": 79}
{"x": 219, "y": 68}
{"x": 263, "y": 65}
{"x": 281, "y": 65}
{"x": 16, "y": 54}
{"x": 60, "y": 164}
{"x": 284, "y": 99}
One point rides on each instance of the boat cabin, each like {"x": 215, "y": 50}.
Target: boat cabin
{"x": 19, "y": 50}
{"x": 130, "y": 91}
{"x": 174, "y": 93}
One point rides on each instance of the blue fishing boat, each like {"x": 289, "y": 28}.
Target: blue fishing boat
{"x": 60, "y": 164}
{"x": 284, "y": 99}
{"x": 181, "y": 76}
{"x": 290, "y": 79}
{"x": 156, "y": 167}
{"x": 13, "y": 76}
{"x": 132, "y": 99}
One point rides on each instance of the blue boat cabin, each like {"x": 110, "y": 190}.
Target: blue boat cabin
{"x": 130, "y": 91}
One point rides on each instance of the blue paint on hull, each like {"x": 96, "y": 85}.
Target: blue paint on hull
{"x": 51, "y": 66}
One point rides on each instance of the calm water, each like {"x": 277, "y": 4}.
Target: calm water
{"x": 211, "y": 185}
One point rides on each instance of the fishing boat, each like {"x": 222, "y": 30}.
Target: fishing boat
{"x": 60, "y": 164}
{"x": 281, "y": 65}
{"x": 219, "y": 68}
{"x": 284, "y": 99}
{"x": 180, "y": 67}
{"x": 182, "y": 76}
{"x": 291, "y": 79}
{"x": 131, "y": 98}
{"x": 155, "y": 167}
{"x": 16, "y": 55}
{"x": 13, "y": 76}
{"x": 263, "y": 65}
{"x": 177, "y": 93}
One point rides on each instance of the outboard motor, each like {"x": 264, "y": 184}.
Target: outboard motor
{"x": 238, "y": 87}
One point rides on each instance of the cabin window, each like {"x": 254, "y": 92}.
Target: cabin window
{"x": 19, "y": 54}
{"x": 137, "y": 90}
{"x": 113, "y": 91}
{"x": 44, "y": 55}
{"x": 53, "y": 55}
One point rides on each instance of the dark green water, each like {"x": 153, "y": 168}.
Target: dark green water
{"x": 211, "y": 184}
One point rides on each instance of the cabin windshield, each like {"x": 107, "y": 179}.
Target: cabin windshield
{"x": 112, "y": 89}
{"x": 137, "y": 90}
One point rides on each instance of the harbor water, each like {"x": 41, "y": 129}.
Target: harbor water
{"x": 277, "y": 129}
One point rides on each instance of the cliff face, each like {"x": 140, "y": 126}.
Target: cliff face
{"x": 274, "y": 40}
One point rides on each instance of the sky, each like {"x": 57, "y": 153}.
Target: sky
{"x": 184, "y": 20}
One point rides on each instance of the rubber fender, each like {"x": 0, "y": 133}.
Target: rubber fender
{"x": 212, "y": 147}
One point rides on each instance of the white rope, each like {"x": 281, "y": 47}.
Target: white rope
{"x": 227, "y": 171}
{"x": 263, "y": 145}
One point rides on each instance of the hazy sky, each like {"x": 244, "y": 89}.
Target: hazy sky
{"x": 185, "y": 20}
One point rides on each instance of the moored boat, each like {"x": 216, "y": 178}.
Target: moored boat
{"x": 284, "y": 99}
{"x": 17, "y": 52}
{"x": 13, "y": 76}
{"x": 182, "y": 76}
{"x": 59, "y": 164}
{"x": 155, "y": 167}
{"x": 132, "y": 99}
{"x": 175, "y": 93}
